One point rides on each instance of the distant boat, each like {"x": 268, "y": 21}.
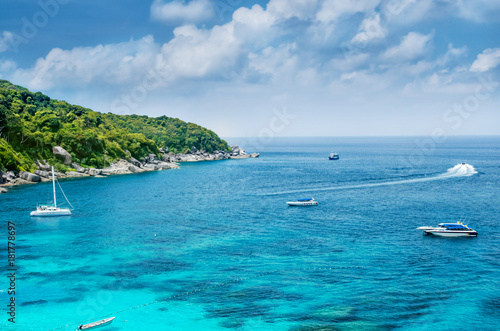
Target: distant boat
{"x": 303, "y": 202}
{"x": 52, "y": 210}
{"x": 97, "y": 324}
{"x": 333, "y": 156}
{"x": 449, "y": 230}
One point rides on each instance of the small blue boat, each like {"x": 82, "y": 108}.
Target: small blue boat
{"x": 333, "y": 156}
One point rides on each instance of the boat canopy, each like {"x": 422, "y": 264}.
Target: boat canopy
{"x": 305, "y": 200}
{"x": 453, "y": 226}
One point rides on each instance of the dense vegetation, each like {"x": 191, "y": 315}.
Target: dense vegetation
{"x": 32, "y": 123}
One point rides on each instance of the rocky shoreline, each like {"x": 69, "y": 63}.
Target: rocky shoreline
{"x": 130, "y": 166}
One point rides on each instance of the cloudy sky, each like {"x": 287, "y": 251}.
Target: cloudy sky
{"x": 278, "y": 67}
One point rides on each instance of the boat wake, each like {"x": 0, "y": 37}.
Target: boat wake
{"x": 460, "y": 170}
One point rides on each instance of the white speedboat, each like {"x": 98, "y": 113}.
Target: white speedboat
{"x": 449, "y": 230}
{"x": 303, "y": 202}
{"x": 51, "y": 210}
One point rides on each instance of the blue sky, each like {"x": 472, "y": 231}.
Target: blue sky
{"x": 266, "y": 68}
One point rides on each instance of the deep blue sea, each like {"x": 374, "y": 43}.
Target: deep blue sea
{"x": 214, "y": 246}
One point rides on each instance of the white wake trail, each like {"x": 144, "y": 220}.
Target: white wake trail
{"x": 460, "y": 170}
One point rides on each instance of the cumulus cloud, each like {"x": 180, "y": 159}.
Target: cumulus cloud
{"x": 331, "y": 10}
{"x": 488, "y": 59}
{"x": 302, "y": 9}
{"x": 255, "y": 47}
{"x": 277, "y": 63}
{"x": 6, "y": 39}
{"x": 451, "y": 54}
{"x": 110, "y": 64}
{"x": 369, "y": 29}
{"x": 177, "y": 11}
{"x": 478, "y": 10}
{"x": 412, "y": 46}
{"x": 196, "y": 53}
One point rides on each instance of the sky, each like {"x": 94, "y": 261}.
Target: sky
{"x": 266, "y": 68}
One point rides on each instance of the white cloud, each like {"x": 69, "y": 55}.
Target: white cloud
{"x": 109, "y": 64}
{"x": 412, "y": 46}
{"x": 369, "y": 29}
{"x": 488, "y": 59}
{"x": 478, "y": 10}
{"x": 451, "y": 54}
{"x": 7, "y": 67}
{"x": 279, "y": 63}
{"x": 177, "y": 11}
{"x": 198, "y": 53}
{"x": 349, "y": 62}
{"x": 6, "y": 39}
{"x": 331, "y": 10}
{"x": 302, "y": 9}
{"x": 256, "y": 48}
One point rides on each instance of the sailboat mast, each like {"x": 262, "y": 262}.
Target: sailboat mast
{"x": 54, "y": 187}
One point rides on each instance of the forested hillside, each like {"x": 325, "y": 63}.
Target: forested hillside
{"x": 32, "y": 123}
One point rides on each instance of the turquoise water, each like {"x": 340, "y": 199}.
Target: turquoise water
{"x": 219, "y": 243}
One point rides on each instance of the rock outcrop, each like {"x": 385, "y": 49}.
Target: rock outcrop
{"x": 78, "y": 168}
{"x": 43, "y": 165}
{"x": 62, "y": 155}
{"x": 95, "y": 172}
{"x": 42, "y": 173}
{"x": 28, "y": 176}
{"x": 149, "y": 163}
{"x": 236, "y": 153}
{"x": 71, "y": 174}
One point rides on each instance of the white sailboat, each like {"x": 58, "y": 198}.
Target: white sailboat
{"x": 52, "y": 210}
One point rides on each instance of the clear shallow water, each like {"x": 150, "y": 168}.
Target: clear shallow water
{"x": 223, "y": 230}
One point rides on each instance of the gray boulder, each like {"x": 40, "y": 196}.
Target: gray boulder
{"x": 75, "y": 174}
{"x": 235, "y": 150}
{"x": 78, "y": 168}
{"x": 151, "y": 158}
{"x": 62, "y": 155}
{"x": 134, "y": 161}
{"x": 2, "y": 190}
{"x": 43, "y": 165}
{"x": 41, "y": 173}
{"x": 29, "y": 176}
{"x": 95, "y": 172}
{"x": 8, "y": 176}
{"x": 149, "y": 167}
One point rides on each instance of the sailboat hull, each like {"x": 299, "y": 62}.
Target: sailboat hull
{"x": 56, "y": 212}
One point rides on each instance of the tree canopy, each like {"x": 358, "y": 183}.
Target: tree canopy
{"x": 32, "y": 123}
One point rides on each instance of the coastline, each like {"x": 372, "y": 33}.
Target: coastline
{"x": 120, "y": 167}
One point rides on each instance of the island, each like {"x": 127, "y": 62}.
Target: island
{"x": 37, "y": 132}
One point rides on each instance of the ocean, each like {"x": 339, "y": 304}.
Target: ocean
{"x": 214, "y": 246}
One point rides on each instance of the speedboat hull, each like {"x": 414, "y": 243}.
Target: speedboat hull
{"x": 453, "y": 233}
{"x": 302, "y": 203}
